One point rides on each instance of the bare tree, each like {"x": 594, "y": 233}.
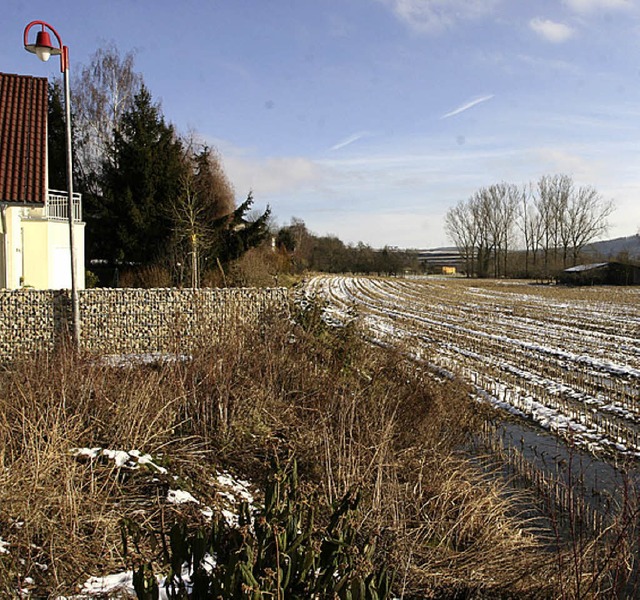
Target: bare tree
{"x": 482, "y": 227}
{"x": 530, "y": 224}
{"x": 492, "y": 198}
{"x": 571, "y": 217}
{"x": 554, "y": 192}
{"x": 553, "y": 216}
{"x": 102, "y": 92}
{"x": 586, "y": 219}
{"x": 502, "y": 203}
{"x": 189, "y": 224}
{"x": 463, "y": 230}
{"x": 206, "y": 196}
{"x": 481, "y": 210}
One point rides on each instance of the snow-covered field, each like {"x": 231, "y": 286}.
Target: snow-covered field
{"x": 565, "y": 358}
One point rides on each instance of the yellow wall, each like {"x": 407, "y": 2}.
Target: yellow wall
{"x": 35, "y": 239}
{"x": 38, "y": 251}
{"x": 12, "y": 247}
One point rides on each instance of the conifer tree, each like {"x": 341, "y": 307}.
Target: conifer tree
{"x": 141, "y": 178}
{"x": 56, "y": 139}
{"x": 235, "y": 233}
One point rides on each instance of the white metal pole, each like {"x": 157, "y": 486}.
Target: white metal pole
{"x": 75, "y": 303}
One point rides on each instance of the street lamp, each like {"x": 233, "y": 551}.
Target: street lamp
{"x": 43, "y": 48}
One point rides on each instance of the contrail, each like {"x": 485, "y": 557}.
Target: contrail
{"x": 352, "y": 138}
{"x": 467, "y": 106}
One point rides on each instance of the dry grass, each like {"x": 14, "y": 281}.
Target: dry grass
{"x": 354, "y": 416}
{"x": 61, "y": 515}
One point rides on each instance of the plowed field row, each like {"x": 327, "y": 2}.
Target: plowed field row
{"x": 568, "y": 359}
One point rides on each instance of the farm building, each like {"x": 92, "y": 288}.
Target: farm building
{"x": 442, "y": 260}
{"x": 606, "y": 273}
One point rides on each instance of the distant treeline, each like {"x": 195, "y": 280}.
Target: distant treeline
{"x": 302, "y": 251}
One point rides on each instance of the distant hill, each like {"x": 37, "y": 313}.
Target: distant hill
{"x": 618, "y": 248}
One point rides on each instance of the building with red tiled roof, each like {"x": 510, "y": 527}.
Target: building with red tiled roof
{"x": 34, "y": 226}
{"x": 23, "y": 139}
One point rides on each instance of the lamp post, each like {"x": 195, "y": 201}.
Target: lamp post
{"x": 43, "y": 48}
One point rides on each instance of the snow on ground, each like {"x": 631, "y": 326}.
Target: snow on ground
{"x": 132, "y": 459}
{"x": 149, "y": 358}
{"x": 572, "y": 364}
{"x": 230, "y": 490}
{"x": 122, "y": 583}
{"x": 180, "y": 497}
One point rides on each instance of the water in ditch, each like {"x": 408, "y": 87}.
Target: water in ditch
{"x": 599, "y": 482}
{"x": 577, "y": 496}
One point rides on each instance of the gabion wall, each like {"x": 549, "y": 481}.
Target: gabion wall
{"x": 122, "y": 321}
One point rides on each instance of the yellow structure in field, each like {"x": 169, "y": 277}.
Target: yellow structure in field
{"x": 448, "y": 270}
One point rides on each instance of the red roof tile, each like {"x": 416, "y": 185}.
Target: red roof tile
{"x": 23, "y": 138}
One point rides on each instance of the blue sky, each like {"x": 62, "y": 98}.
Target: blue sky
{"x": 368, "y": 119}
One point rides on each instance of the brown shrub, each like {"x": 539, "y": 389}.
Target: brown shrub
{"x": 354, "y": 416}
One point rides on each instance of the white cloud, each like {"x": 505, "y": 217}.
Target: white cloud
{"x": 552, "y": 64}
{"x": 421, "y": 228}
{"x": 587, "y": 6}
{"x": 430, "y": 16}
{"x": 269, "y": 176}
{"x": 578, "y": 166}
{"x": 467, "y": 106}
{"x": 551, "y": 31}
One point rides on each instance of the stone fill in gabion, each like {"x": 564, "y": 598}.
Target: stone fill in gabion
{"x": 129, "y": 320}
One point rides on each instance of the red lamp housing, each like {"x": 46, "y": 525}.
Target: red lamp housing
{"x": 43, "y": 47}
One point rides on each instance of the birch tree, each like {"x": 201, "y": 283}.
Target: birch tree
{"x": 102, "y": 92}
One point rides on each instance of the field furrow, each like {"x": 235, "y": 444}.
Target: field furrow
{"x": 568, "y": 359}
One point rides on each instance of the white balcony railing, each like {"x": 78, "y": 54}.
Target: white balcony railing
{"x": 57, "y": 209}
